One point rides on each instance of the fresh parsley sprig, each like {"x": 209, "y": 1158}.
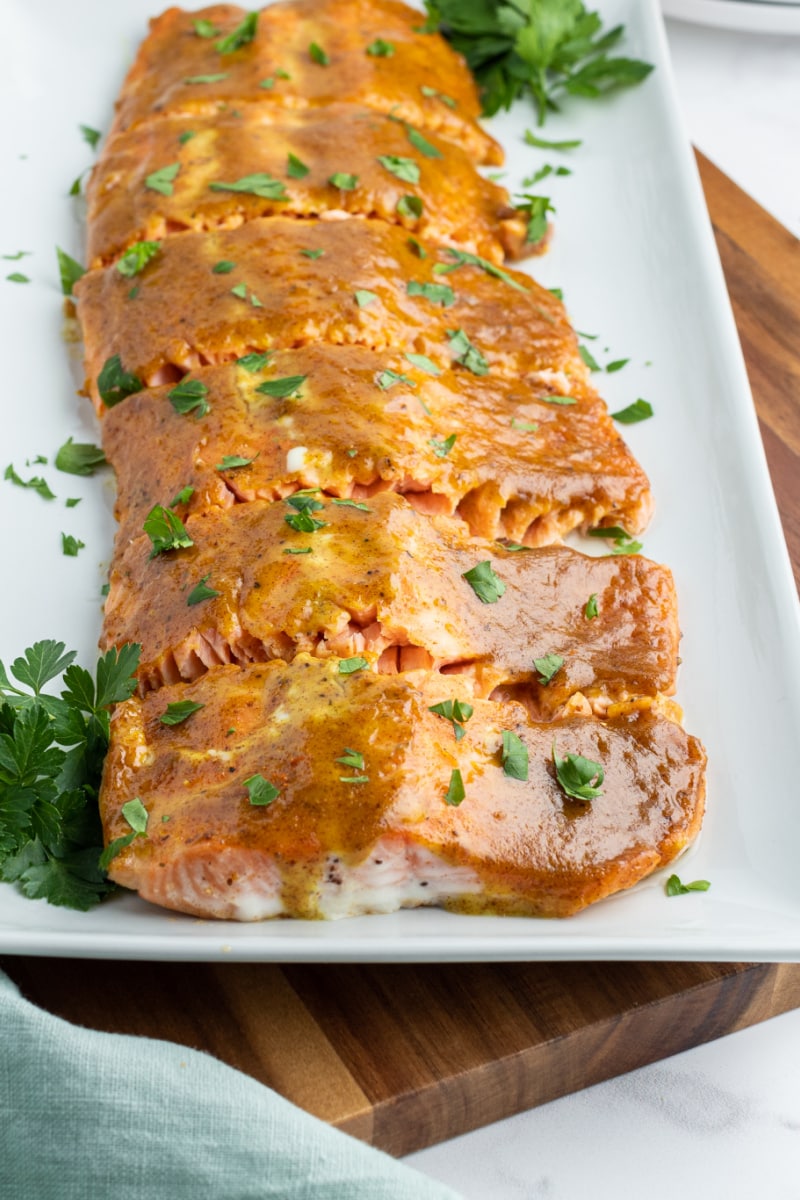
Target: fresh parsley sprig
{"x": 51, "y": 758}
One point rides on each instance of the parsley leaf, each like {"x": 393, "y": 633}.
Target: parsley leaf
{"x": 296, "y": 168}
{"x": 282, "y": 389}
{"x": 349, "y": 666}
{"x": 432, "y": 94}
{"x": 190, "y": 396}
{"x": 458, "y": 712}
{"x": 240, "y": 36}
{"x": 319, "y": 253}
{"x": 352, "y": 504}
{"x": 260, "y": 791}
{"x": 486, "y": 585}
{"x": 591, "y": 610}
{"x": 464, "y": 259}
{"x": 200, "y": 592}
{"x": 69, "y": 271}
{"x": 354, "y": 759}
{"x": 442, "y": 449}
{"x": 577, "y": 776}
{"x": 540, "y": 143}
{"x": 230, "y": 462}
{"x": 205, "y": 29}
{"x": 437, "y": 293}
{"x": 216, "y": 78}
{"x": 18, "y": 277}
{"x": 380, "y": 49}
{"x": 363, "y": 297}
{"x": 182, "y": 497}
{"x": 223, "y": 267}
{"x": 548, "y": 667}
{"x": 165, "y": 530}
{"x": 36, "y": 483}
{"x": 389, "y": 378}
{"x": 254, "y": 362}
{"x": 90, "y": 136}
{"x": 674, "y": 887}
{"x": 465, "y": 353}
{"x": 515, "y": 756}
{"x": 79, "y": 458}
{"x": 423, "y": 363}
{"x": 535, "y": 210}
{"x": 260, "y": 184}
{"x": 163, "y": 179}
{"x": 343, "y": 181}
{"x": 524, "y": 426}
{"x": 588, "y": 357}
{"x": 402, "y": 168}
{"x": 318, "y": 55}
{"x": 180, "y": 711}
{"x": 410, "y": 206}
{"x": 421, "y": 143}
{"x": 640, "y": 410}
{"x": 617, "y": 365}
{"x": 455, "y": 792}
{"x": 137, "y": 257}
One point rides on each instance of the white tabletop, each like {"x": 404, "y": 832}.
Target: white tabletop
{"x": 722, "y": 1121}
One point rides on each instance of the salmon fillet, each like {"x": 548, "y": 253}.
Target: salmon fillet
{"x": 367, "y": 287}
{"x": 520, "y": 467}
{"x": 290, "y": 157}
{"x": 385, "y": 582}
{"x": 328, "y": 846}
{"x": 421, "y": 80}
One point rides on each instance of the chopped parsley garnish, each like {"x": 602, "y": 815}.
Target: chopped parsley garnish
{"x": 318, "y": 55}
{"x": 437, "y": 293}
{"x": 524, "y": 426}
{"x": 486, "y": 585}
{"x": 531, "y": 139}
{"x": 402, "y": 168}
{"x": 455, "y": 792}
{"x": 354, "y": 759}
{"x": 165, "y": 530}
{"x": 114, "y": 384}
{"x": 163, "y": 179}
{"x": 205, "y": 29}
{"x": 588, "y": 357}
{"x": 432, "y": 94}
{"x": 137, "y": 257}
{"x": 416, "y": 247}
{"x": 301, "y": 519}
{"x": 217, "y": 78}
{"x": 551, "y": 49}
{"x": 343, "y": 181}
{"x": 442, "y": 449}
{"x": 316, "y": 253}
{"x": 674, "y": 887}
{"x": 201, "y": 592}
{"x": 240, "y": 36}
{"x": 389, "y": 378}
{"x": 640, "y": 410}
{"x": 254, "y": 362}
{"x": 16, "y": 257}
{"x": 71, "y": 545}
{"x": 305, "y": 500}
{"x": 410, "y": 206}
{"x": 296, "y": 168}
{"x": 542, "y": 173}
{"x": 616, "y": 365}
{"x": 349, "y": 666}
{"x": 623, "y": 542}
{"x": 380, "y": 48}
{"x": 180, "y": 711}
{"x": 182, "y": 497}
{"x": 230, "y": 462}
{"x": 363, "y": 297}
{"x": 563, "y": 400}
{"x": 535, "y": 210}
{"x": 69, "y": 270}
{"x": 223, "y": 267}
{"x": 190, "y": 395}
{"x": 352, "y": 504}
{"x": 557, "y": 292}
{"x": 421, "y": 143}
{"x": 90, "y": 136}
{"x": 548, "y": 667}
{"x": 458, "y": 712}
{"x": 260, "y": 184}
{"x": 423, "y": 363}
{"x": 591, "y": 610}
{"x": 72, "y": 501}
{"x": 465, "y": 353}
{"x": 513, "y": 547}
{"x": 464, "y": 259}
{"x": 18, "y": 277}
{"x": 577, "y": 776}
{"x": 261, "y": 791}
{"x": 515, "y": 756}
{"x": 282, "y": 389}
{"x": 136, "y": 816}
{"x": 79, "y": 458}
{"x": 187, "y": 136}
{"x": 36, "y": 483}
{"x": 298, "y": 550}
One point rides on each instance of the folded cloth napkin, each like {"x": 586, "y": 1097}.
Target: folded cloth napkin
{"x": 101, "y": 1116}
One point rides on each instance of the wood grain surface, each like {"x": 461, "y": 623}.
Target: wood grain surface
{"x": 405, "y": 1056}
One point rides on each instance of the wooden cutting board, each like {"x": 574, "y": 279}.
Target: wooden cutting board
{"x": 405, "y": 1056}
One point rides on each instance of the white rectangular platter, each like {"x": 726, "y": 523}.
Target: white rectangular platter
{"x": 634, "y": 254}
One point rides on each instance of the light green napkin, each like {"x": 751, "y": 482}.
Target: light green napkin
{"x": 100, "y": 1116}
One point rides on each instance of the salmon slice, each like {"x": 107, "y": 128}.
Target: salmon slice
{"x": 520, "y": 467}
{"x": 385, "y": 828}
{"x": 290, "y": 157}
{"x": 365, "y": 285}
{"x": 308, "y": 53}
{"x": 382, "y": 581}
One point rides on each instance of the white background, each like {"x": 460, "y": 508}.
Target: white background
{"x": 721, "y": 1122}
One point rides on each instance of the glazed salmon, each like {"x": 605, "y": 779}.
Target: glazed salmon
{"x": 353, "y": 422}
{"x": 356, "y": 282}
{"x": 291, "y": 162}
{"x": 304, "y": 53}
{"x": 296, "y": 790}
{"x": 382, "y": 581}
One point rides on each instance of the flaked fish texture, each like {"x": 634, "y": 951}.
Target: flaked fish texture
{"x": 266, "y": 160}
{"x": 293, "y": 283}
{"x": 499, "y": 454}
{"x": 307, "y": 53}
{"x": 298, "y": 791}
{"x": 382, "y": 582}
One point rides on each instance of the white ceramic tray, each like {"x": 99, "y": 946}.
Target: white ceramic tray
{"x": 635, "y": 256}
{"x": 746, "y": 16}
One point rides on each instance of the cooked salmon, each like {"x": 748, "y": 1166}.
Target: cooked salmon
{"x": 356, "y": 282}
{"x": 267, "y": 160}
{"x": 501, "y": 455}
{"x": 382, "y": 581}
{"x": 296, "y": 790}
{"x": 302, "y": 53}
